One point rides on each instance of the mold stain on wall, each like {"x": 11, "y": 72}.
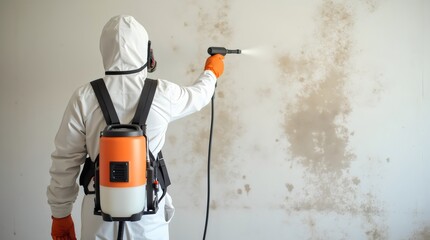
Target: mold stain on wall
{"x": 316, "y": 120}
{"x": 213, "y": 22}
{"x": 422, "y": 233}
{"x": 212, "y": 25}
{"x": 314, "y": 127}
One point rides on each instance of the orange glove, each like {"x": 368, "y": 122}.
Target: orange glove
{"x": 63, "y": 228}
{"x": 215, "y": 63}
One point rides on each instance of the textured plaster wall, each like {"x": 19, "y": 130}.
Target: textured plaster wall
{"x": 321, "y": 128}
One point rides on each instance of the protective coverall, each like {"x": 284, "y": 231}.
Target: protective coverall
{"x": 124, "y": 47}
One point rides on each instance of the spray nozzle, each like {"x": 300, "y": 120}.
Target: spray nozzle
{"x": 223, "y": 51}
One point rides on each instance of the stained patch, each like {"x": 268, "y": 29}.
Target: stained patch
{"x": 247, "y": 188}
{"x": 226, "y": 132}
{"x": 220, "y": 94}
{"x": 290, "y": 187}
{"x": 212, "y": 25}
{"x": 314, "y": 125}
{"x": 356, "y": 180}
{"x": 315, "y": 122}
{"x": 192, "y": 69}
{"x": 265, "y": 93}
{"x": 173, "y": 140}
{"x": 175, "y": 48}
{"x": 371, "y": 5}
{"x": 200, "y": 145}
{"x": 213, "y": 205}
{"x": 422, "y": 233}
{"x": 374, "y": 234}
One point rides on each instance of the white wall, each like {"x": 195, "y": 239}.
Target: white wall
{"x": 321, "y": 133}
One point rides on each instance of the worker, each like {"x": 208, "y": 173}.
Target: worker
{"x": 124, "y": 49}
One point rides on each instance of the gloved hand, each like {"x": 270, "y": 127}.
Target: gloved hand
{"x": 215, "y": 63}
{"x": 63, "y": 228}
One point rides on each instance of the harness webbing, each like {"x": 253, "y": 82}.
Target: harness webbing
{"x": 140, "y": 117}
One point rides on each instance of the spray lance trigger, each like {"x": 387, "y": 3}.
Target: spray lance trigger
{"x": 223, "y": 51}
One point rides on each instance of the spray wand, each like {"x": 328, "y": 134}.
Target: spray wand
{"x": 223, "y": 51}
{"x": 212, "y": 51}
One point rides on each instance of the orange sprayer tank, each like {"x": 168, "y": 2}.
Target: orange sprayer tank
{"x": 122, "y": 171}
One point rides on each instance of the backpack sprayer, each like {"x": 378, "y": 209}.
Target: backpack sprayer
{"x": 126, "y": 174}
{"x": 212, "y": 51}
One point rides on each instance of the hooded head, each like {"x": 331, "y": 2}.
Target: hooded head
{"x": 124, "y": 45}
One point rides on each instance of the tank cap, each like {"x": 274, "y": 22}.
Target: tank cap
{"x": 122, "y": 130}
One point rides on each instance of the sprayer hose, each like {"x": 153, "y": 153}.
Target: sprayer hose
{"x": 209, "y": 166}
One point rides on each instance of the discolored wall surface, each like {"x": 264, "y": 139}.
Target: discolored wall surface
{"x": 321, "y": 126}
{"x": 307, "y": 125}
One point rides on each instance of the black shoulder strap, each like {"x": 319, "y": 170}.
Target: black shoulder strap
{"x": 142, "y": 111}
{"x": 145, "y": 102}
{"x": 105, "y": 101}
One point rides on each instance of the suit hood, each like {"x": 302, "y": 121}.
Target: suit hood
{"x": 123, "y": 44}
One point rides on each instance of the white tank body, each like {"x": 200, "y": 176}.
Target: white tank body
{"x": 122, "y": 202}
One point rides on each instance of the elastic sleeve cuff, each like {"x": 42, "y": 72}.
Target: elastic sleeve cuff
{"x": 62, "y": 212}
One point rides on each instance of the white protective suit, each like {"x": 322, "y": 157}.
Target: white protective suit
{"x": 123, "y": 45}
